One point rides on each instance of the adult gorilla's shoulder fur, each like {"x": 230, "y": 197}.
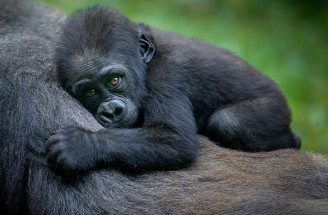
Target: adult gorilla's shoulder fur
{"x": 222, "y": 181}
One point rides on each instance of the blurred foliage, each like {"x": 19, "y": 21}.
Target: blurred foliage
{"x": 287, "y": 40}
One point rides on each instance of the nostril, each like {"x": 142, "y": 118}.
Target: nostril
{"x": 118, "y": 111}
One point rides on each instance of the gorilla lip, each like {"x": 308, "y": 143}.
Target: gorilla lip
{"x": 104, "y": 121}
{"x": 107, "y": 120}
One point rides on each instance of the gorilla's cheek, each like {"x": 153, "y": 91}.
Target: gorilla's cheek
{"x": 131, "y": 116}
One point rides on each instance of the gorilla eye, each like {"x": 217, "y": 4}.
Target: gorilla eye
{"x": 114, "y": 81}
{"x": 90, "y": 93}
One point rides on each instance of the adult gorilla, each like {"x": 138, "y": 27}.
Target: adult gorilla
{"x": 32, "y": 106}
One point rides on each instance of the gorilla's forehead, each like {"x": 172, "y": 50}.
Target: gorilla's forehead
{"x": 91, "y": 63}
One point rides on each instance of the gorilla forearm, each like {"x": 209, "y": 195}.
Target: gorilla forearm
{"x": 73, "y": 150}
{"x": 166, "y": 141}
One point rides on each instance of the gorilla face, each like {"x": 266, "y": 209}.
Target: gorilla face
{"x": 105, "y": 71}
{"x": 106, "y": 94}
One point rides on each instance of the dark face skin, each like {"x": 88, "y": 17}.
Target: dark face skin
{"x": 106, "y": 94}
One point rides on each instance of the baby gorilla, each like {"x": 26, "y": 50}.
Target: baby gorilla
{"x": 154, "y": 91}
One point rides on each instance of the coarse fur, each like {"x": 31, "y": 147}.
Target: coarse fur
{"x": 155, "y": 91}
{"x": 221, "y": 181}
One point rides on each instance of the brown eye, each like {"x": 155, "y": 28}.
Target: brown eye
{"x": 90, "y": 92}
{"x": 114, "y": 81}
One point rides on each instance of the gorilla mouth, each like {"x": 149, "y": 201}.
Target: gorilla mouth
{"x": 107, "y": 119}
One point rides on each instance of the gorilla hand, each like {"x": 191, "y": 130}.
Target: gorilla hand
{"x": 71, "y": 151}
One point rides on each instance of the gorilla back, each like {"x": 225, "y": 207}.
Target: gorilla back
{"x": 222, "y": 181}
{"x": 159, "y": 90}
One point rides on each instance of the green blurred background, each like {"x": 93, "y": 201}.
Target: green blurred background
{"x": 285, "y": 39}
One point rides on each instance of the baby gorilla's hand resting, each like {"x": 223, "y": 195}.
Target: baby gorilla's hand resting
{"x": 71, "y": 151}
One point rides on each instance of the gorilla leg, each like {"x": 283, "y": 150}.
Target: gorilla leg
{"x": 253, "y": 125}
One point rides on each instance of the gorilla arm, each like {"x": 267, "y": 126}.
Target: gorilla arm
{"x": 167, "y": 141}
{"x": 259, "y": 124}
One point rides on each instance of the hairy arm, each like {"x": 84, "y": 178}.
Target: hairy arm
{"x": 260, "y": 124}
{"x": 167, "y": 141}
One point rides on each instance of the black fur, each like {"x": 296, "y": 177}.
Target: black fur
{"x": 171, "y": 89}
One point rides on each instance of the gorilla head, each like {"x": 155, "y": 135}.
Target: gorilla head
{"x": 97, "y": 65}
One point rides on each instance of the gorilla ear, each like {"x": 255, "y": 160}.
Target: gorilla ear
{"x": 147, "y": 49}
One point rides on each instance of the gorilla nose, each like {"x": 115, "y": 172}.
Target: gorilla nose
{"x": 111, "y": 112}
